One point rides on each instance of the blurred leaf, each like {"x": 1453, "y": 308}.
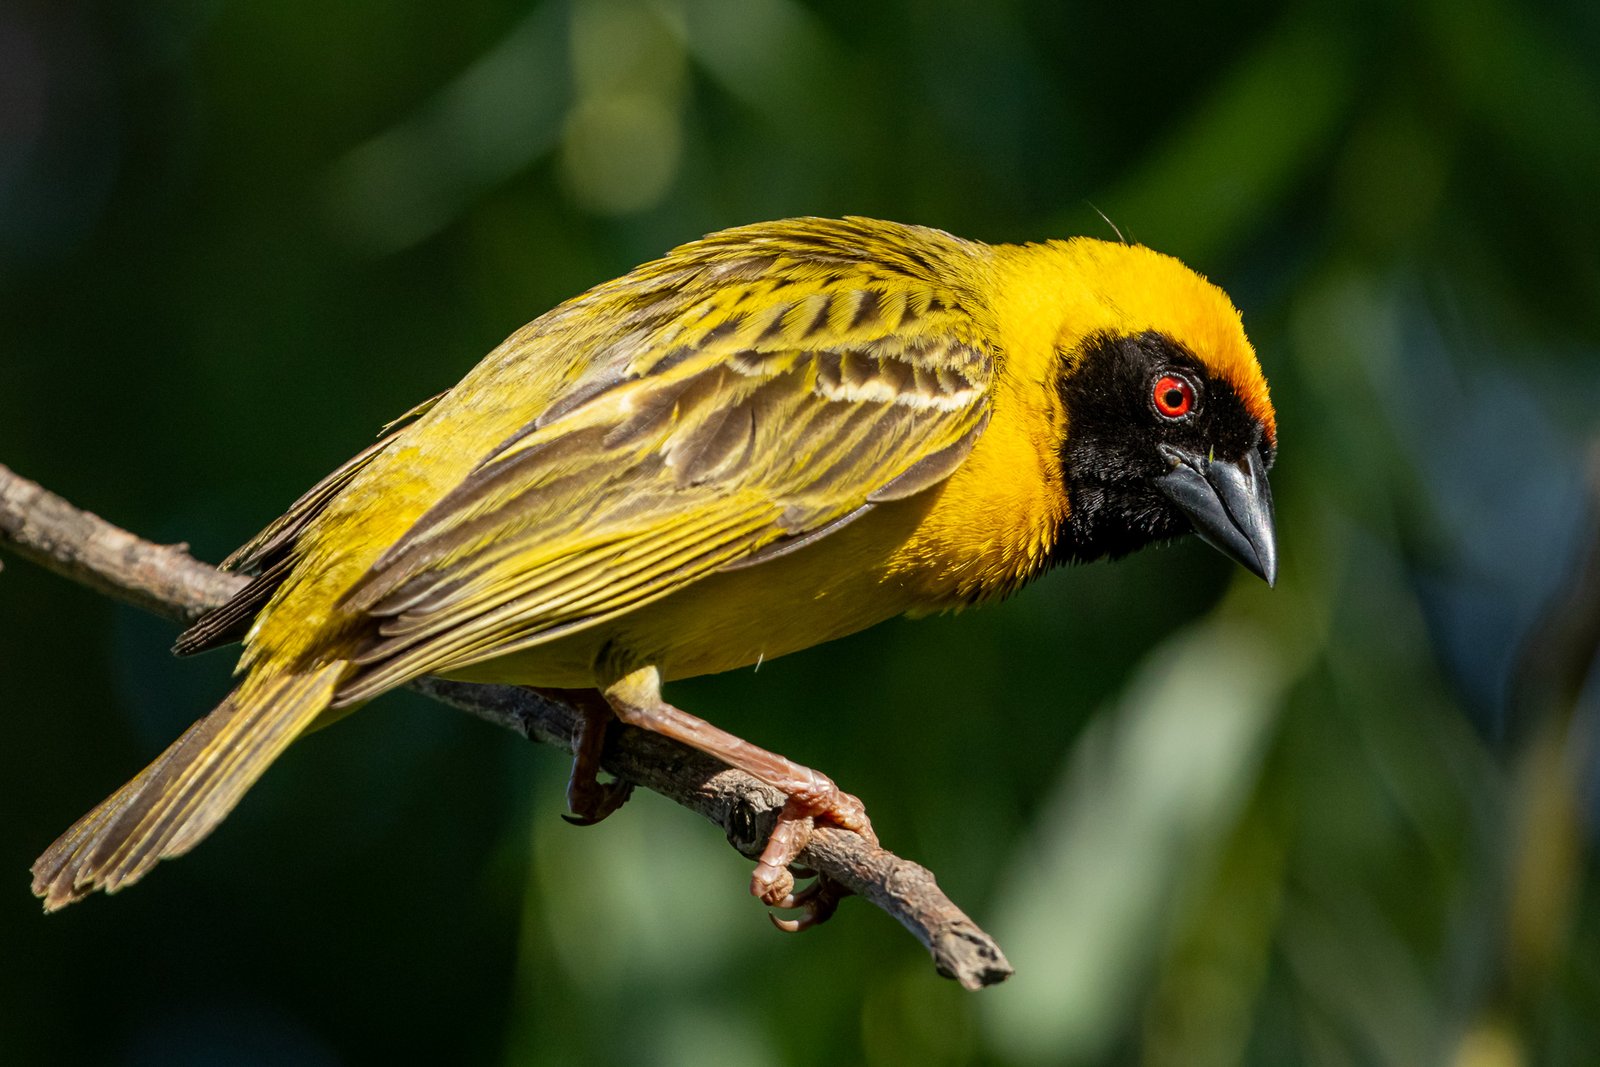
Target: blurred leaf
{"x": 1244, "y": 146}
{"x": 1145, "y": 797}
{"x": 499, "y": 115}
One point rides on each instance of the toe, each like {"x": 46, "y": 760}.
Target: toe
{"x": 817, "y": 903}
{"x": 591, "y": 800}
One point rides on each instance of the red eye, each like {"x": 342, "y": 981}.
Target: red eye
{"x": 1173, "y": 396}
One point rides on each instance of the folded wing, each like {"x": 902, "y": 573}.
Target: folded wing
{"x": 702, "y": 455}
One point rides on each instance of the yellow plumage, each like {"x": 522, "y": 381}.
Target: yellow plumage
{"x": 771, "y": 437}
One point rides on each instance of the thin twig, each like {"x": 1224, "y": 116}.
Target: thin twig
{"x": 40, "y": 526}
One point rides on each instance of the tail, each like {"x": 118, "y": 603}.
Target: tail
{"x": 180, "y": 798}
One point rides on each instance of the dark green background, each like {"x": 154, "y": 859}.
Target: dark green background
{"x": 1211, "y": 823}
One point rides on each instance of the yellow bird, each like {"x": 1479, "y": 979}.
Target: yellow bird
{"x": 771, "y": 437}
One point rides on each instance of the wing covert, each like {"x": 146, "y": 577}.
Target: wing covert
{"x": 770, "y": 412}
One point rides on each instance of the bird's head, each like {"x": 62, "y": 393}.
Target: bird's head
{"x": 1169, "y": 428}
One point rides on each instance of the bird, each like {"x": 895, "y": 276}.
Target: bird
{"x": 770, "y": 437}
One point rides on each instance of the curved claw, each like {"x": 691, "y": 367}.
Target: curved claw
{"x": 794, "y": 926}
{"x": 592, "y": 804}
{"x": 819, "y": 900}
{"x": 589, "y": 799}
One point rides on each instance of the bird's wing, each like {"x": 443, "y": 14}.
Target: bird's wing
{"x": 703, "y": 447}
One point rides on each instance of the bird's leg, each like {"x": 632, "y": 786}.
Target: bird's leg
{"x": 588, "y": 798}
{"x": 636, "y": 699}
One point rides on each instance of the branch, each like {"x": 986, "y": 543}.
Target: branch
{"x": 165, "y": 579}
{"x": 39, "y": 526}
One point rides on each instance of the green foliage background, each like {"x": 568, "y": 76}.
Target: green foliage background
{"x": 1211, "y": 823}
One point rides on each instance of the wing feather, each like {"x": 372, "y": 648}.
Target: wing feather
{"x": 516, "y": 617}
{"x": 719, "y": 428}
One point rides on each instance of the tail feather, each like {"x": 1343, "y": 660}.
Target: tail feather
{"x": 171, "y": 805}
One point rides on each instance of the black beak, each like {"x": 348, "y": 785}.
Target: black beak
{"x": 1230, "y": 505}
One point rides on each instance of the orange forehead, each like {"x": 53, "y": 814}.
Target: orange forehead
{"x": 1082, "y": 287}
